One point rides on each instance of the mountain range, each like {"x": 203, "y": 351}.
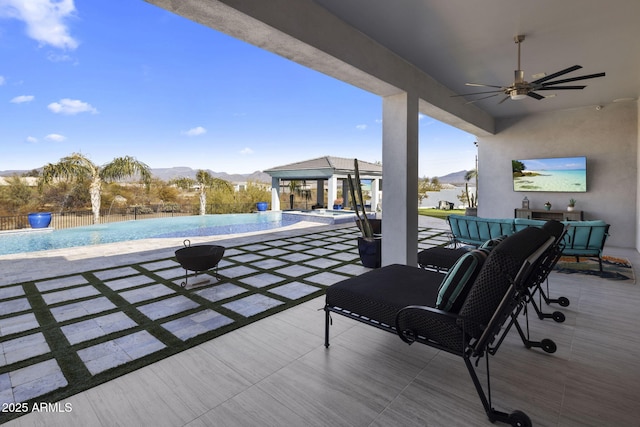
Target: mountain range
{"x": 167, "y": 174}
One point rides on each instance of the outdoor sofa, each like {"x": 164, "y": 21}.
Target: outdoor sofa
{"x": 583, "y": 238}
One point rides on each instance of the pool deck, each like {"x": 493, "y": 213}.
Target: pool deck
{"x": 24, "y": 267}
{"x": 58, "y": 276}
{"x": 277, "y": 372}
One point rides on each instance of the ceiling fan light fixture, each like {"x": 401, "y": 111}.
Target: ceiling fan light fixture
{"x": 516, "y": 94}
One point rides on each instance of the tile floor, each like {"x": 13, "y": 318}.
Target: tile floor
{"x": 116, "y": 315}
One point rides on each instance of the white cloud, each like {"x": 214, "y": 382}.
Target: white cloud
{"x": 45, "y": 20}
{"x": 31, "y": 139}
{"x": 199, "y": 130}
{"x": 56, "y": 57}
{"x": 361, "y": 127}
{"x": 71, "y": 106}
{"x": 55, "y": 137}
{"x": 22, "y": 98}
{"x": 2, "y": 80}
{"x": 246, "y": 150}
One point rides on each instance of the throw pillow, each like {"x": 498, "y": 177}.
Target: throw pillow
{"x": 456, "y": 284}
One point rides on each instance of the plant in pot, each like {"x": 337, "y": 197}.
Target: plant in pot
{"x": 571, "y": 205}
{"x": 337, "y": 203}
{"x": 369, "y": 246}
{"x": 547, "y": 205}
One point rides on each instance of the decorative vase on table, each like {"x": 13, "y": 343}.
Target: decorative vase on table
{"x": 39, "y": 219}
{"x": 547, "y": 206}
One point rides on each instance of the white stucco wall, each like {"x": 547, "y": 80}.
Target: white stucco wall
{"x": 608, "y": 137}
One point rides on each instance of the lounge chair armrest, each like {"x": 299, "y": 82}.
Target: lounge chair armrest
{"x": 434, "y": 324}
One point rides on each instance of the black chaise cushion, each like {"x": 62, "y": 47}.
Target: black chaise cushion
{"x": 379, "y": 294}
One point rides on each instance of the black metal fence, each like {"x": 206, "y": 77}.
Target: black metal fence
{"x": 68, "y": 219}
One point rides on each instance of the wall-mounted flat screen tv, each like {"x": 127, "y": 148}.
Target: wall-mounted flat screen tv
{"x": 560, "y": 174}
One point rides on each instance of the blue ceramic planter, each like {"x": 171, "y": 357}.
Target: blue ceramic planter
{"x": 262, "y": 206}
{"x": 39, "y": 219}
{"x": 370, "y": 252}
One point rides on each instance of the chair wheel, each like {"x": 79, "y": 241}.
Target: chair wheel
{"x": 564, "y": 302}
{"x": 548, "y": 346}
{"x": 558, "y": 316}
{"x": 519, "y": 419}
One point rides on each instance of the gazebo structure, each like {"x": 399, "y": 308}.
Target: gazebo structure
{"x": 330, "y": 169}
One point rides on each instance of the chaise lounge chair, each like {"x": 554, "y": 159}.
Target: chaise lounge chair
{"x": 409, "y": 301}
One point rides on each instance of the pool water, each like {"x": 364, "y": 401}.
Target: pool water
{"x": 185, "y": 226}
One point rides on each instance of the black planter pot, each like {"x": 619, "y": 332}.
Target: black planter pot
{"x": 370, "y": 252}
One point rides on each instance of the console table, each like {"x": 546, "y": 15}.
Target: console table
{"x": 549, "y": 214}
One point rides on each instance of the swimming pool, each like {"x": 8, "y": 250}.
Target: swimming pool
{"x": 184, "y": 226}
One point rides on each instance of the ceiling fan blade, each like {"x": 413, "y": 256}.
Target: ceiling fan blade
{"x": 477, "y": 93}
{"x": 557, "y": 74}
{"x": 560, "y": 87}
{"x": 504, "y": 99}
{"x": 481, "y": 85}
{"x": 574, "y": 79}
{"x": 480, "y": 99}
{"x": 535, "y": 95}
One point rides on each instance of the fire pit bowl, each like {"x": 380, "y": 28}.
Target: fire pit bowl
{"x": 199, "y": 258}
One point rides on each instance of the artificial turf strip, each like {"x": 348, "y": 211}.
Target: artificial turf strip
{"x": 67, "y": 355}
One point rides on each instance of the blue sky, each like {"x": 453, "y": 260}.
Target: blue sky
{"x": 81, "y": 76}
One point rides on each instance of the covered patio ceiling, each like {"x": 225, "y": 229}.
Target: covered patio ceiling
{"x": 444, "y": 45}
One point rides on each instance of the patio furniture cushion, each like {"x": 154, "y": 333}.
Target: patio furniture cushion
{"x": 379, "y": 294}
{"x": 454, "y": 288}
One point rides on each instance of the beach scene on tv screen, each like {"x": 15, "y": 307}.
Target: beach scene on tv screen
{"x": 567, "y": 174}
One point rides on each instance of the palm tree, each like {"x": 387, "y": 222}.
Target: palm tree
{"x": 472, "y": 199}
{"x": 80, "y": 168}
{"x": 206, "y": 181}
{"x": 294, "y": 187}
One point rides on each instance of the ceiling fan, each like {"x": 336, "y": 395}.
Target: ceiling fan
{"x": 520, "y": 88}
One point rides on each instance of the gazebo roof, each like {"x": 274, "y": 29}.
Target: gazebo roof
{"x": 325, "y": 167}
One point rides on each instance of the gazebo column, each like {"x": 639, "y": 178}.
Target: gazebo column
{"x": 332, "y": 190}
{"x": 375, "y": 194}
{"x": 275, "y": 194}
{"x": 320, "y": 193}
{"x": 400, "y": 176}
{"x": 345, "y": 193}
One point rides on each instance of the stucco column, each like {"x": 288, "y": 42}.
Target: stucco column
{"x": 400, "y": 177}
{"x": 275, "y": 194}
